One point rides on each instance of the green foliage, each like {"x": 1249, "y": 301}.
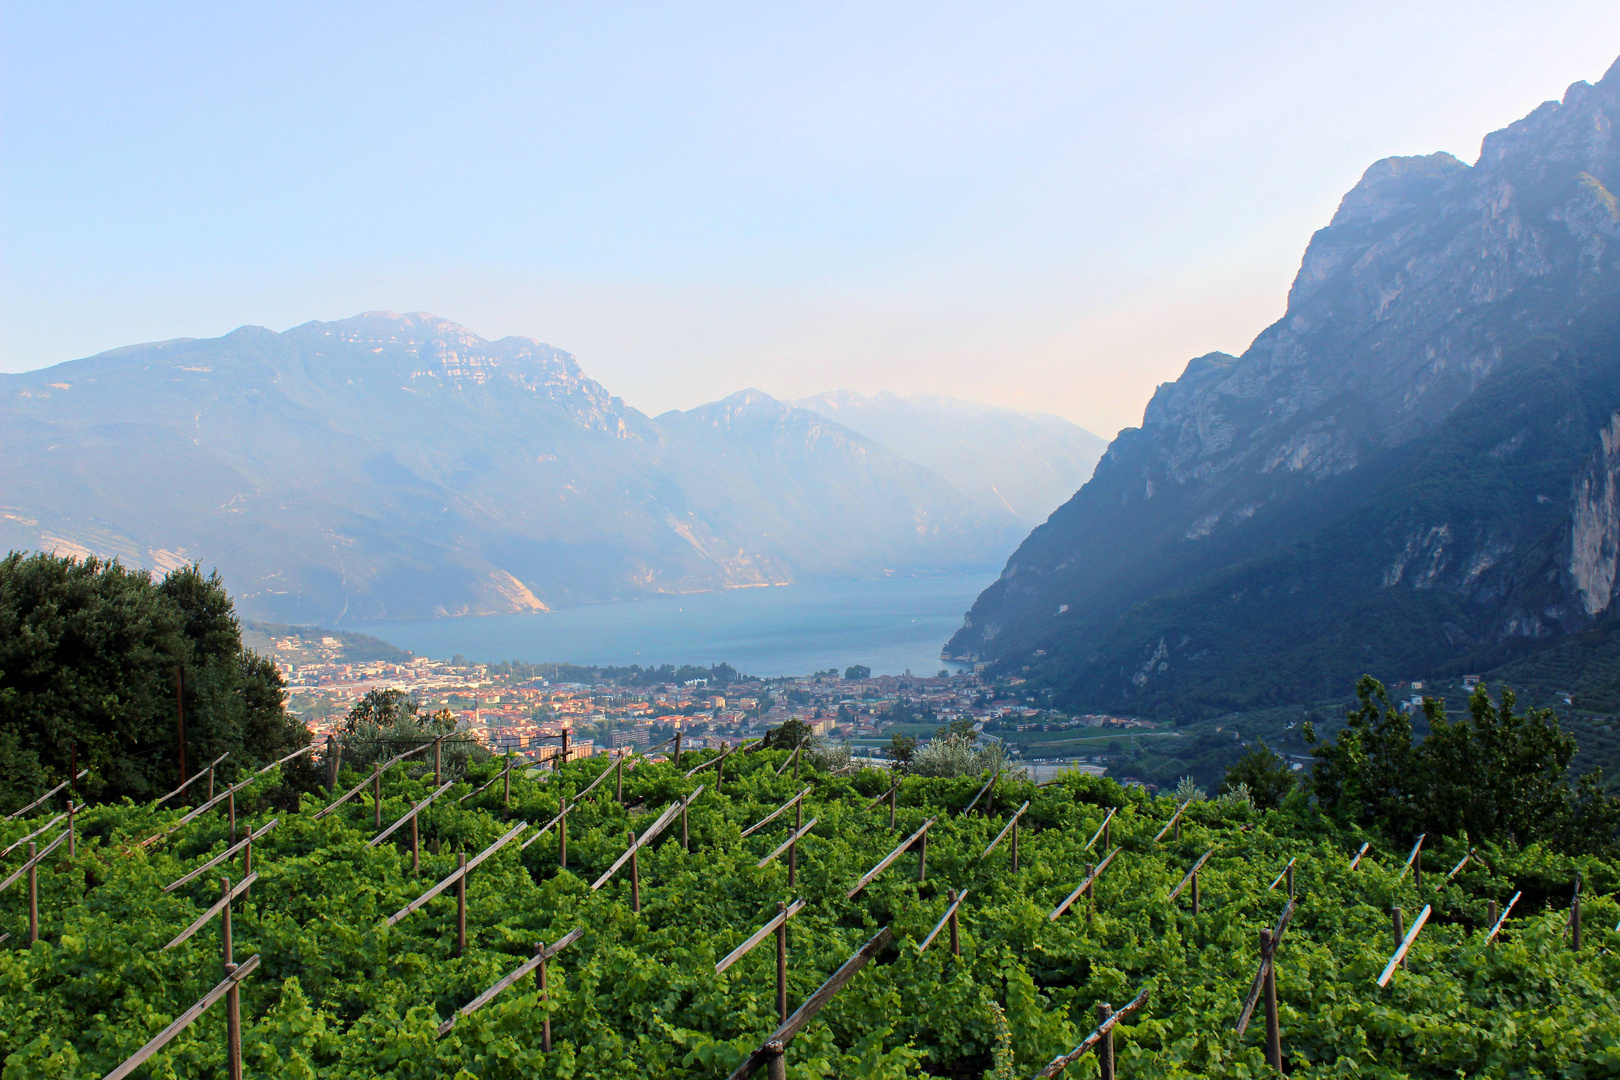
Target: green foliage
{"x": 88, "y": 655}
{"x": 343, "y": 996}
{"x": 901, "y": 747}
{"x": 857, "y": 671}
{"x": 789, "y": 735}
{"x": 954, "y": 755}
{"x": 1495, "y": 775}
{"x": 1260, "y": 774}
{"x": 387, "y": 722}
{"x": 960, "y": 728}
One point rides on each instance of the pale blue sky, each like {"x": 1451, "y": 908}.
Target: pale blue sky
{"x": 1044, "y": 206}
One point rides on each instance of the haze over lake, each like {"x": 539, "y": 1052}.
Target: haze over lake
{"x": 889, "y": 625}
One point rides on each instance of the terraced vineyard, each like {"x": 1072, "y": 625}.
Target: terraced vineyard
{"x": 340, "y": 991}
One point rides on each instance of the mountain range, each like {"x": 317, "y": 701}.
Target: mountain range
{"x": 1415, "y": 472}
{"x": 401, "y": 465}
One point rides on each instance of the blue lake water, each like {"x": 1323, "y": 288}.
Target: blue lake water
{"x": 889, "y": 625}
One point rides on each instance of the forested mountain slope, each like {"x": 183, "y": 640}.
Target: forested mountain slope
{"x": 1412, "y": 472}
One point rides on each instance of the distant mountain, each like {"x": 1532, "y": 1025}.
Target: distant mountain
{"x": 1412, "y": 473}
{"x": 1026, "y": 464}
{"x": 393, "y": 465}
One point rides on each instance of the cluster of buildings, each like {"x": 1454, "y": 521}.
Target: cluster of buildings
{"x": 508, "y": 711}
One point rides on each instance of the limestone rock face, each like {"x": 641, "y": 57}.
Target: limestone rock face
{"x": 1434, "y": 281}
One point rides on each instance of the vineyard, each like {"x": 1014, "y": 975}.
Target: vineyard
{"x": 599, "y": 899}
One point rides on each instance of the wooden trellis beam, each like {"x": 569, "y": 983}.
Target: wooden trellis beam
{"x": 888, "y": 859}
{"x": 1090, "y": 878}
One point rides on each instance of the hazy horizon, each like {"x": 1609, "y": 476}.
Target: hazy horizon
{"x": 1044, "y": 208}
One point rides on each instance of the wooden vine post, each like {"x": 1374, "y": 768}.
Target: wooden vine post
{"x": 233, "y": 996}
{"x": 769, "y": 1054}
{"x": 541, "y": 955}
{"x": 778, "y": 926}
{"x": 635, "y": 874}
{"x": 1575, "y": 916}
{"x": 334, "y": 754}
{"x": 33, "y": 895}
{"x": 1102, "y": 1039}
{"x": 506, "y": 782}
{"x": 1105, "y": 1045}
{"x": 1265, "y": 985}
{"x": 618, "y": 780}
{"x": 438, "y": 761}
{"x": 376, "y": 797}
{"x": 562, "y": 836}
{"x": 1397, "y": 919}
{"x": 461, "y": 903}
{"x": 946, "y": 920}
{"x": 677, "y": 749}
{"x": 545, "y": 997}
{"x": 1398, "y": 960}
{"x": 798, "y": 827}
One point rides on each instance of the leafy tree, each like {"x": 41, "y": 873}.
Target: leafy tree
{"x": 901, "y": 747}
{"x": 789, "y": 735}
{"x": 1497, "y": 775}
{"x": 386, "y": 722}
{"x": 1267, "y": 777}
{"x": 89, "y": 652}
{"x": 857, "y": 671}
{"x": 961, "y": 728}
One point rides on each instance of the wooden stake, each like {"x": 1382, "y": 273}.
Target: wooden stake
{"x": 894, "y": 795}
{"x": 686, "y": 839}
{"x": 562, "y": 837}
{"x": 332, "y": 756}
{"x": 1417, "y": 868}
{"x": 461, "y": 905}
{"x": 210, "y": 781}
{"x": 720, "y": 770}
{"x": 1105, "y": 1046}
{"x": 233, "y": 996}
{"x": 1273, "y": 1033}
{"x": 1398, "y": 920}
{"x": 775, "y": 1062}
{"x": 438, "y": 746}
{"x": 230, "y": 813}
{"x": 73, "y": 840}
{"x": 416, "y": 846}
{"x": 922, "y": 857}
{"x": 1290, "y": 873}
{"x": 1091, "y": 894}
{"x": 635, "y": 875}
{"x": 618, "y": 780}
{"x": 376, "y": 795}
{"x": 506, "y": 784}
{"x": 33, "y": 897}
{"x": 247, "y": 861}
{"x": 1107, "y": 832}
{"x": 797, "y": 750}
{"x": 1575, "y": 917}
{"x": 677, "y": 749}
{"x": 1015, "y": 845}
{"x": 1195, "y": 892}
{"x": 793, "y": 849}
{"x": 781, "y": 963}
{"x": 956, "y": 940}
{"x": 1490, "y": 912}
{"x": 545, "y": 996}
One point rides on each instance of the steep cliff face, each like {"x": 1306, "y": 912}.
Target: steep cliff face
{"x": 1434, "y": 281}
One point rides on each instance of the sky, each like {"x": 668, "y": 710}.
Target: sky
{"x": 1049, "y": 207}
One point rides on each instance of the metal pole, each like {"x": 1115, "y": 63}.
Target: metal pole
{"x": 781, "y": 964}
{"x": 461, "y": 904}
{"x": 1105, "y": 1045}
{"x": 956, "y": 940}
{"x": 1273, "y": 1035}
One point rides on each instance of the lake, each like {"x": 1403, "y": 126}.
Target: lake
{"x": 890, "y": 625}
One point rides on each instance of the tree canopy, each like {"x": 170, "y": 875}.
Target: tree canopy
{"x": 89, "y": 656}
{"x": 1495, "y": 774}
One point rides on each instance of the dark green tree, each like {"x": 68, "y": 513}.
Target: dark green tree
{"x": 789, "y": 735}
{"x": 1494, "y": 775}
{"x": 962, "y": 726}
{"x": 857, "y": 671}
{"x": 89, "y": 652}
{"x": 901, "y": 747}
{"x": 1268, "y": 777}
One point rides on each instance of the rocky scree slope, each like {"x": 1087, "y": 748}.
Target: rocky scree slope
{"x": 1412, "y": 472}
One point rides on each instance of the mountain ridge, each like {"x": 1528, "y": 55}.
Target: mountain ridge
{"x": 1187, "y": 577}
{"x": 393, "y": 465}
